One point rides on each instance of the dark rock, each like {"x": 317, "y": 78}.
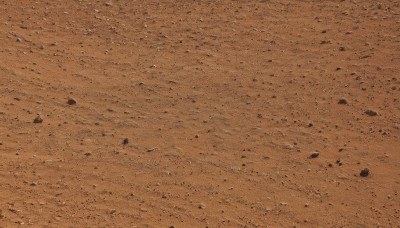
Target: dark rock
{"x": 125, "y": 141}
{"x": 71, "y": 101}
{"x": 88, "y": 154}
{"x": 314, "y": 155}
{"x": 371, "y": 113}
{"x": 342, "y": 101}
{"x": 38, "y": 119}
{"x": 364, "y": 172}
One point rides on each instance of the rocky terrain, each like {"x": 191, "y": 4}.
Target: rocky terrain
{"x": 160, "y": 113}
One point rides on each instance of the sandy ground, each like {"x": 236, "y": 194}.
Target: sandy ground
{"x": 221, "y": 102}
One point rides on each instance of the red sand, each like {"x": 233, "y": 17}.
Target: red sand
{"x": 222, "y": 103}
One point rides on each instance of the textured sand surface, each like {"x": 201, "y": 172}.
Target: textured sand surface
{"x": 221, "y": 102}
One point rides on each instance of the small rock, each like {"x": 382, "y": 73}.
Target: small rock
{"x": 19, "y": 39}
{"x": 125, "y": 141}
{"x": 202, "y": 206}
{"x": 342, "y": 101}
{"x": 371, "y": 113}
{"x": 88, "y": 154}
{"x": 34, "y": 183}
{"x": 112, "y": 211}
{"x": 314, "y": 155}
{"x": 364, "y": 172}
{"x": 71, "y": 101}
{"x": 342, "y": 49}
{"x": 38, "y": 119}
{"x": 152, "y": 149}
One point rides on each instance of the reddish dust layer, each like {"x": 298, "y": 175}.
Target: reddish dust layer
{"x": 235, "y": 113}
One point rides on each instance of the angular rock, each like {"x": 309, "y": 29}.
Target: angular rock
{"x": 314, "y": 154}
{"x": 364, "y": 172}
{"x": 38, "y": 119}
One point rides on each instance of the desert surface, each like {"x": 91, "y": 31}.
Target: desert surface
{"x": 200, "y": 113}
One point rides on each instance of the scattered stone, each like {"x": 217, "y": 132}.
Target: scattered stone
{"x": 339, "y": 162}
{"x": 342, "y": 49}
{"x": 314, "y": 154}
{"x": 71, "y": 101}
{"x": 113, "y": 211}
{"x": 371, "y": 113}
{"x": 38, "y": 119}
{"x": 202, "y": 206}
{"x": 19, "y": 39}
{"x": 364, "y": 172}
{"x": 34, "y": 183}
{"x": 13, "y": 210}
{"x": 88, "y": 154}
{"x": 152, "y": 149}
{"x": 306, "y": 205}
{"x": 342, "y": 101}
{"x": 125, "y": 141}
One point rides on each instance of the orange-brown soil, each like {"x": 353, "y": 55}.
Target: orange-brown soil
{"x": 221, "y": 102}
